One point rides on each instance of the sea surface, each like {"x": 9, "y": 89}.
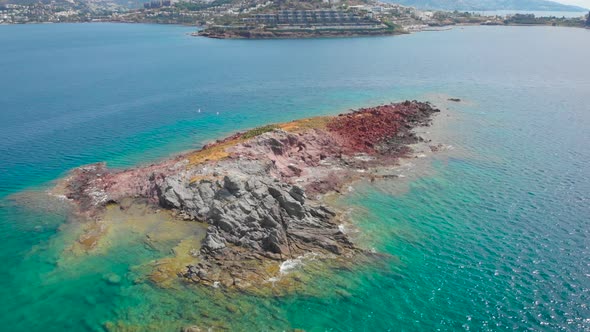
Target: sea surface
{"x": 491, "y": 234}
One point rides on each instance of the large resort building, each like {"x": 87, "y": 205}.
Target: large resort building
{"x": 298, "y": 23}
{"x": 306, "y": 17}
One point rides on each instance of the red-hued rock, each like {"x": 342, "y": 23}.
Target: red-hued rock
{"x": 365, "y": 129}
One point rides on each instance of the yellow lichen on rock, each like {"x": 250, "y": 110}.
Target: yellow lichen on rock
{"x": 213, "y": 153}
{"x": 318, "y": 122}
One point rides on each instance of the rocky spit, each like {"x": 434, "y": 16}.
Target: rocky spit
{"x": 262, "y": 33}
{"x": 261, "y": 192}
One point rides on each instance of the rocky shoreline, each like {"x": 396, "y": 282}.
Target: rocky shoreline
{"x": 290, "y": 34}
{"x": 261, "y": 192}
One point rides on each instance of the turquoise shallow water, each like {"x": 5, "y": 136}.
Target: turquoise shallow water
{"x": 493, "y": 235}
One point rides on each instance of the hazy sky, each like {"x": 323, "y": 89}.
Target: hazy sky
{"x": 581, "y": 3}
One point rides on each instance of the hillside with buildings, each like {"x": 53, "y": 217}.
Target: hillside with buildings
{"x": 315, "y": 18}
{"x": 265, "y": 18}
{"x": 489, "y": 5}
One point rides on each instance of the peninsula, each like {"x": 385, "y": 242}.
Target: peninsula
{"x": 262, "y": 19}
{"x": 260, "y": 193}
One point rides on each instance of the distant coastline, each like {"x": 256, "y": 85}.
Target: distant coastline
{"x": 292, "y": 34}
{"x": 261, "y": 34}
{"x": 334, "y": 23}
{"x": 265, "y": 34}
{"x": 234, "y": 20}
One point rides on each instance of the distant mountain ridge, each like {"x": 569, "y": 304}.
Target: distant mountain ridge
{"x": 125, "y": 3}
{"x": 482, "y": 5}
{"x": 451, "y": 5}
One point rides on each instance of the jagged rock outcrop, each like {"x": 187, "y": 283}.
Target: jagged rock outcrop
{"x": 259, "y": 213}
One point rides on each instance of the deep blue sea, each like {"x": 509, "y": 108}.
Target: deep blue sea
{"x": 491, "y": 235}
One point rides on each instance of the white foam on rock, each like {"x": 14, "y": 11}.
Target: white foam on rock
{"x": 291, "y": 264}
{"x": 58, "y": 196}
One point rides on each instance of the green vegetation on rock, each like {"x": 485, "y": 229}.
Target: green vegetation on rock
{"x": 259, "y": 131}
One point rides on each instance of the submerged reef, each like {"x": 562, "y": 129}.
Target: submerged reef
{"x": 260, "y": 193}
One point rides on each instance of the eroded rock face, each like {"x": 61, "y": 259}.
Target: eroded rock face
{"x": 260, "y": 214}
{"x": 262, "y": 197}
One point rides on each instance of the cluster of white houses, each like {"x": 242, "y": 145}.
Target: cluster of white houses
{"x": 306, "y": 17}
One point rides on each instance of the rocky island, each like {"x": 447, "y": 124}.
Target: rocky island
{"x": 260, "y": 193}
